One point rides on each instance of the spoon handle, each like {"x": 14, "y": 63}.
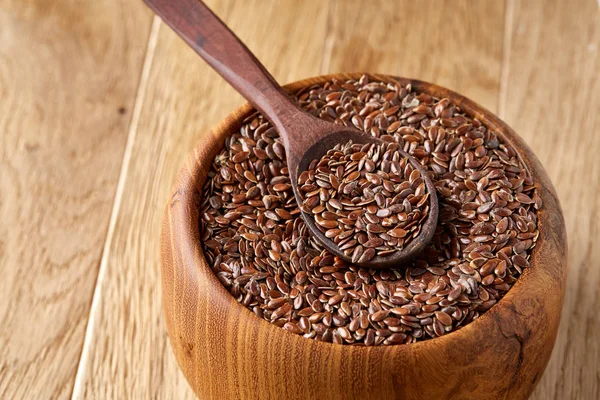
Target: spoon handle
{"x": 222, "y": 50}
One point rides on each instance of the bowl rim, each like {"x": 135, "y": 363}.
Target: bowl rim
{"x": 184, "y": 211}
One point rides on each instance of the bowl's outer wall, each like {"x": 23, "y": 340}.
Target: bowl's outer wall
{"x": 226, "y": 352}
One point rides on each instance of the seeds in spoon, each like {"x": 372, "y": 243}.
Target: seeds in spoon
{"x": 376, "y": 207}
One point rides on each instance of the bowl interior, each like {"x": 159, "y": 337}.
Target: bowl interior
{"x": 539, "y": 270}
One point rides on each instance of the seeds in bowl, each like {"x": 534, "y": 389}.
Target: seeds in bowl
{"x": 366, "y": 198}
{"x": 260, "y": 249}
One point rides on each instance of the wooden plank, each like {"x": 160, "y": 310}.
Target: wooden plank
{"x": 68, "y": 78}
{"x": 552, "y": 98}
{"x": 457, "y": 44}
{"x": 127, "y": 354}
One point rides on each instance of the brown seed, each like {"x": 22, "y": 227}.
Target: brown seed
{"x": 454, "y": 293}
{"x": 327, "y": 224}
{"x": 520, "y": 261}
{"x": 275, "y": 256}
{"x": 397, "y": 233}
{"x": 357, "y": 253}
{"x": 336, "y": 204}
{"x": 438, "y": 328}
{"x": 292, "y": 327}
{"x": 487, "y": 280}
{"x": 443, "y": 317}
{"x": 344, "y": 333}
{"x": 304, "y": 324}
{"x": 353, "y": 176}
{"x": 239, "y": 157}
{"x": 375, "y": 228}
{"x": 250, "y": 236}
{"x": 379, "y": 315}
{"x": 370, "y": 338}
{"x": 276, "y": 303}
{"x": 281, "y": 311}
{"x": 374, "y": 242}
{"x": 282, "y": 187}
{"x": 367, "y": 255}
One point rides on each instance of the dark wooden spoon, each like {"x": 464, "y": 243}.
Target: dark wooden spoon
{"x": 305, "y": 137}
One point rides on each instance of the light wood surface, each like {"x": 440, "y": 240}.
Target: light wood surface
{"x": 456, "y": 44}
{"x": 66, "y": 68}
{"x": 68, "y": 78}
{"x": 561, "y": 122}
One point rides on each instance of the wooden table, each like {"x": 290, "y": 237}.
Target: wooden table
{"x": 100, "y": 103}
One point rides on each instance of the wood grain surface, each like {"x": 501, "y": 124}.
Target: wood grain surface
{"x": 68, "y": 78}
{"x": 456, "y": 44}
{"x": 551, "y": 96}
{"x": 67, "y": 67}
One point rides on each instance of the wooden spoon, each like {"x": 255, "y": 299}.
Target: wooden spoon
{"x": 305, "y": 137}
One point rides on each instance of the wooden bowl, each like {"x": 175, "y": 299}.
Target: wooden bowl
{"x": 226, "y": 352}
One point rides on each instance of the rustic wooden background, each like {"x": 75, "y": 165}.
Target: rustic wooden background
{"x": 100, "y": 103}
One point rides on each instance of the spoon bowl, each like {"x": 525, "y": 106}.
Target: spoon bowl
{"x": 305, "y": 137}
{"x": 393, "y": 260}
